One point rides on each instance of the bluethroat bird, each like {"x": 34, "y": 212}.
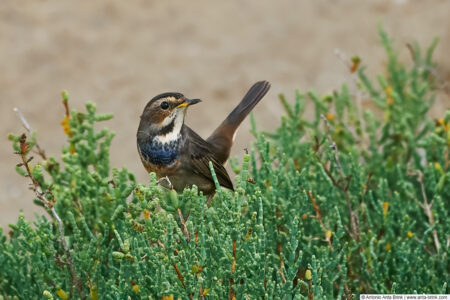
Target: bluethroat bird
{"x": 173, "y": 150}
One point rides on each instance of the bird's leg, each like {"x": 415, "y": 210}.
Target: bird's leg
{"x": 208, "y": 202}
{"x": 183, "y": 226}
{"x": 166, "y": 178}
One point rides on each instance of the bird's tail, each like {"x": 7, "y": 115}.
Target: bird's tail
{"x": 222, "y": 138}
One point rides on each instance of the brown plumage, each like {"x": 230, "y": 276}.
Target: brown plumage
{"x": 170, "y": 148}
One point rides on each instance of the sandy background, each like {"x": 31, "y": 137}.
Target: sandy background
{"x": 122, "y": 53}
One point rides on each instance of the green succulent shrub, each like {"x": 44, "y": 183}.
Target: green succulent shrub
{"x": 325, "y": 207}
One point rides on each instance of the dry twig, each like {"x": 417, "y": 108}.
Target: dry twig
{"x": 231, "y": 292}
{"x": 426, "y": 206}
{"x": 50, "y": 205}
{"x": 27, "y": 126}
{"x": 179, "y": 275}
{"x": 319, "y": 218}
{"x": 183, "y": 226}
{"x": 342, "y": 183}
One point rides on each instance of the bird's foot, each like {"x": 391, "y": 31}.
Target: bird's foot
{"x": 166, "y": 178}
{"x": 208, "y": 202}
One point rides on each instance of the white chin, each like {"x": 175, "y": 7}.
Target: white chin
{"x": 178, "y": 115}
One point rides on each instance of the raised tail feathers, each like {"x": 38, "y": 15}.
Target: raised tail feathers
{"x": 222, "y": 138}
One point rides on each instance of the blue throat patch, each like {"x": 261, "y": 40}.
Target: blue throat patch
{"x": 160, "y": 154}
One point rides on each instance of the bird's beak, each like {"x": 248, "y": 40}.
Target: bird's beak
{"x": 188, "y": 102}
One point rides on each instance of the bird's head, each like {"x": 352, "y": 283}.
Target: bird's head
{"x": 164, "y": 114}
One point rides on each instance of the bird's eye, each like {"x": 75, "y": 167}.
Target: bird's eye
{"x": 164, "y": 105}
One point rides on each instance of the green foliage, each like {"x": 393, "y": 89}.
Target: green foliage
{"x": 341, "y": 204}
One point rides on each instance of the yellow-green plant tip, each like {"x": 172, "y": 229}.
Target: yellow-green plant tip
{"x": 308, "y": 275}
{"x": 327, "y": 98}
{"x": 356, "y": 59}
{"x": 47, "y": 294}
{"x": 136, "y": 288}
{"x": 118, "y": 255}
{"x": 61, "y": 294}
{"x": 65, "y": 95}
{"x": 126, "y": 246}
{"x": 173, "y": 198}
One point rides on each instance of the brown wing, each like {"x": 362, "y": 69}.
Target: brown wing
{"x": 201, "y": 155}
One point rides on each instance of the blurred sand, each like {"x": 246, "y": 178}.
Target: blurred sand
{"x": 122, "y": 53}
